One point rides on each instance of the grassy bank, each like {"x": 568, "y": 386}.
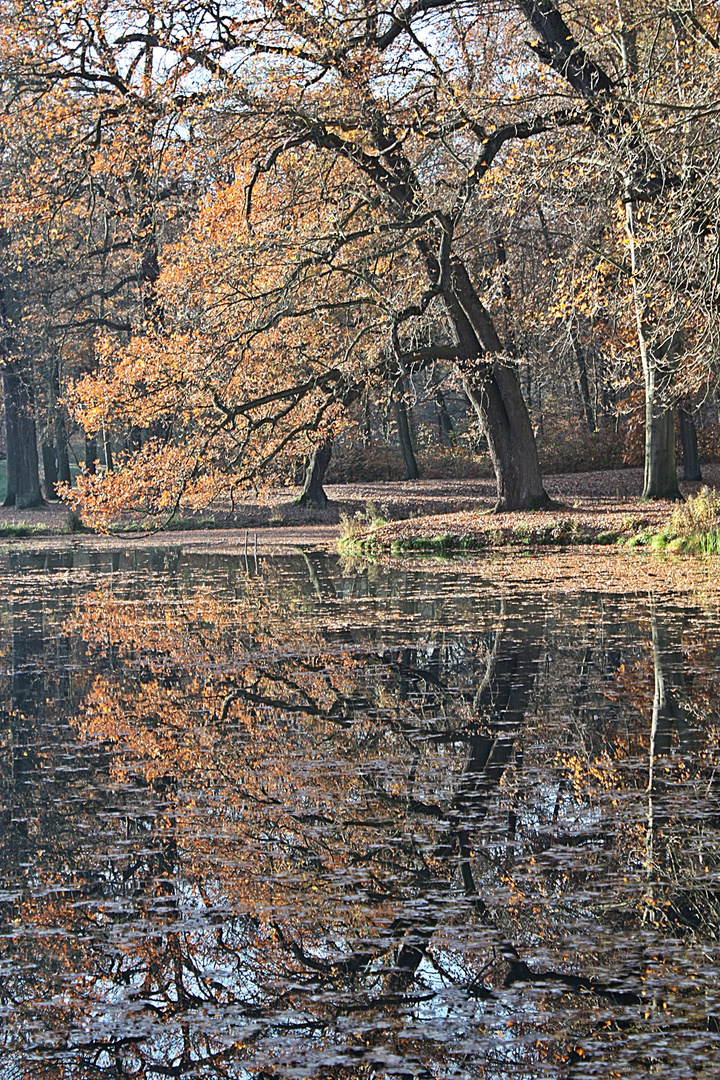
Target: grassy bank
{"x": 53, "y": 519}
{"x": 453, "y": 516}
{"x": 692, "y": 526}
{"x": 366, "y": 534}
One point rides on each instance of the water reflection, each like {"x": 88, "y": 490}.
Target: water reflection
{"x": 287, "y": 819}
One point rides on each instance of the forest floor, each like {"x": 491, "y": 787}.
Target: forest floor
{"x": 591, "y": 505}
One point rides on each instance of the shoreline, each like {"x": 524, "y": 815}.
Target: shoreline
{"x": 391, "y": 517}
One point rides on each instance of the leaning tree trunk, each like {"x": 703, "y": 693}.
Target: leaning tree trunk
{"x": 493, "y": 389}
{"x": 688, "y": 438}
{"x": 313, "y": 493}
{"x": 406, "y": 447}
{"x": 497, "y": 400}
{"x": 23, "y": 472}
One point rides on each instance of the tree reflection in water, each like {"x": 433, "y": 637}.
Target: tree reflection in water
{"x": 397, "y": 823}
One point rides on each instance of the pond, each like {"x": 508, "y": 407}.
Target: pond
{"x": 293, "y": 817}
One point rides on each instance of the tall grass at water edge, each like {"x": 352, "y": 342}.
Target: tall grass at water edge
{"x": 694, "y": 525}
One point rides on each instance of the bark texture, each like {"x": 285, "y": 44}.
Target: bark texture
{"x": 49, "y": 470}
{"x": 410, "y": 464}
{"x": 446, "y": 427}
{"x": 22, "y": 457}
{"x": 313, "y": 493}
{"x": 660, "y": 466}
{"x": 493, "y": 389}
{"x": 688, "y": 438}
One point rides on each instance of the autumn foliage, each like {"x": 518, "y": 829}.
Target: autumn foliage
{"x": 231, "y": 231}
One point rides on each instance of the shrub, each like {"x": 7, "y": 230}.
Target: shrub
{"x": 693, "y": 525}
{"x": 361, "y": 521}
{"x": 700, "y": 514}
{"x": 438, "y": 544}
{"x": 574, "y": 449}
{"x": 357, "y": 532}
{"x": 562, "y": 531}
{"x": 353, "y": 463}
{"x": 454, "y": 465}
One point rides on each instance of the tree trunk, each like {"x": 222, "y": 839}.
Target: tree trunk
{"x": 660, "y": 465}
{"x": 312, "y": 493}
{"x": 659, "y": 372}
{"x": 366, "y": 420}
{"x": 49, "y": 470}
{"x": 583, "y": 385}
{"x": 688, "y": 437}
{"x": 23, "y": 472}
{"x": 511, "y": 443}
{"x": 604, "y": 392}
{"x": 660, "y": 468}
{"x": 406, "y": 447}
{"x": 61, "y": 439}
{"x": 61, "y": 449}
{"x": 10, "y": 442}
{"x": 91, "y": 454}
{"x": 658, "y": 366}
{"x": 446, "y": 427}
{"x": 494, "y": 391}
{"x": 23, "y": 488}
{"x": 611, "y": 114}
{"x": 107, "y": 452}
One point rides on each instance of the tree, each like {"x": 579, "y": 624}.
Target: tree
{"x": 99, "y": 177}
{"x": 652, "y": 125}
{"x": 16, "y": 345}
{"x": 23, "y": 483}
{"x": 394, "y": 145}
{"x": 389, "y": 243}
{"x": 313, "y": 493}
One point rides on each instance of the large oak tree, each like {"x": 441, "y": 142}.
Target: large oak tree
{"x": 407, "y": 110}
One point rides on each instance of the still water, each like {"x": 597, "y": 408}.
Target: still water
{"x": 294, "y": 818}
